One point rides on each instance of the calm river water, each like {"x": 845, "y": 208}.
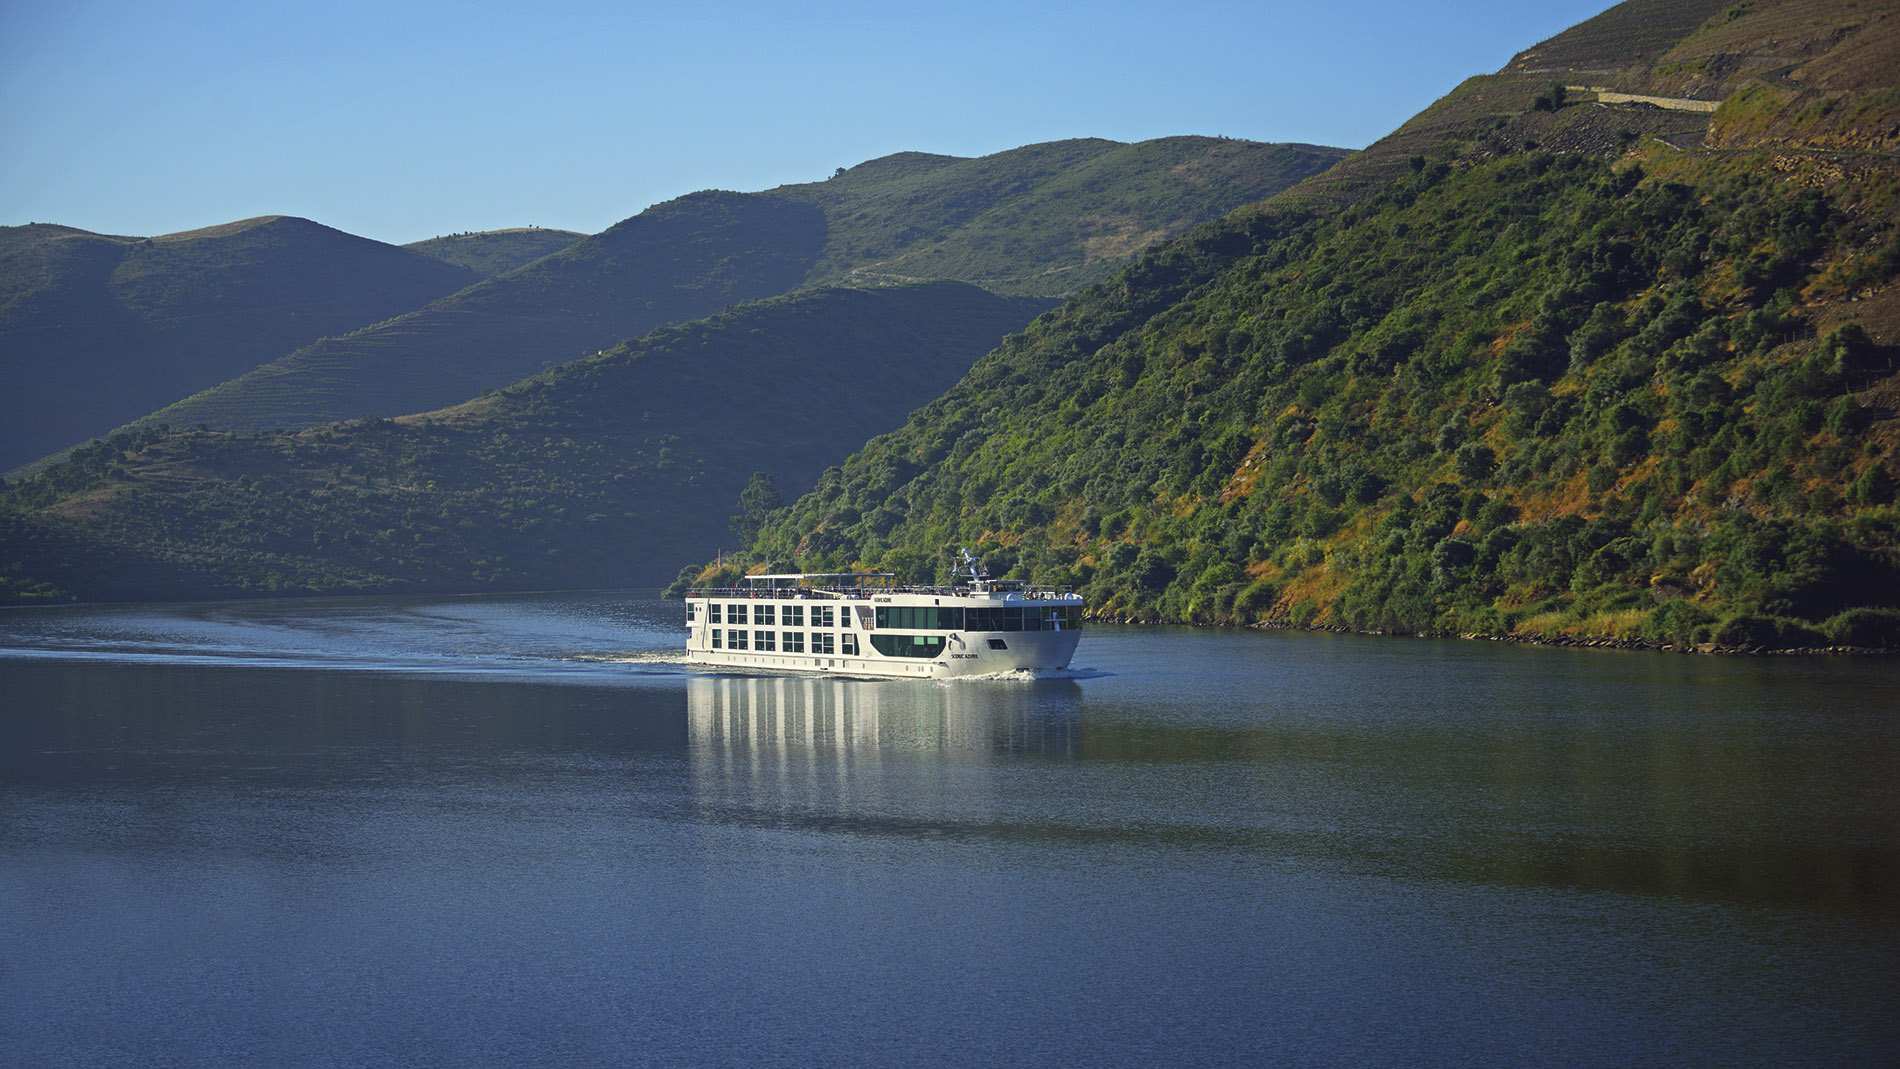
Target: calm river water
{"x": 519, "y": 830}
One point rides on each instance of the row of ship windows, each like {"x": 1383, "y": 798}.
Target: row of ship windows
{"x": 793, "y": 615}
{"x": 822, "y": 643}
{"x": 902, "y": 617}
{"x": 986, "y": 618}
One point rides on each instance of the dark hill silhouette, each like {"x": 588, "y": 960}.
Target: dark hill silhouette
{"x": 681, "y": 260}
{"x": 96, "y": 330}
{"x": 615, "y": 469}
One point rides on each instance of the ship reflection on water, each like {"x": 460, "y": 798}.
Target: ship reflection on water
{"x": 857, "y": 720}
{"x": 907, "y": 759}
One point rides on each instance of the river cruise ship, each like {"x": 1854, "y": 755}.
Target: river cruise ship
{"x": 864, "y": 624}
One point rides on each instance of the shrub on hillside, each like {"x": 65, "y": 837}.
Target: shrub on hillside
{"x": 1877, "y": 628}
{"x": 1779, "y": 632}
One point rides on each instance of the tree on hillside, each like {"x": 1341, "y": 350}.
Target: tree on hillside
{"x": 757, "y": 502}
{"x": 1551, "y": 99}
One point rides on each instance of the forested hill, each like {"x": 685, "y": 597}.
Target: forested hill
{"x": 614, "y": 469}
{"x": 97, "y": 330}
{"x": 1569, "y": 371}
{"x": 1039, "y": 220}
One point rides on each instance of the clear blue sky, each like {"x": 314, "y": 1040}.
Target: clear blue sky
{"x": 400, "y": 121}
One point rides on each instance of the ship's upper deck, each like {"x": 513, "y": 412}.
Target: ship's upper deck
{"x": 868, "y": 586}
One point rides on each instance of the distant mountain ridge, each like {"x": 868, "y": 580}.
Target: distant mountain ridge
{"x": 681, "y": 260}
{"x": 1042, "y": 220}
{"x": 97, "y": 330}
{"x": 495, "y": 252}
{"x": 1036, "y": 221}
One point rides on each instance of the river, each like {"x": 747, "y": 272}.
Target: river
{"x": 519, "y": 830}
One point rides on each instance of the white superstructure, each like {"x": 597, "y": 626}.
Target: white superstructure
{"x": 862, "y": 624}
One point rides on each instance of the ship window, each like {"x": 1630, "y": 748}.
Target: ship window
{"x": 908, "y": 645}
{"x": 850, "y": 644}
{"x": 717, "y": 642}
{"x": 712, "y": 613}
{"x": 762, "y": 614}
{"x": 920, "y": 618}
{"x": 735, "y": 614}
{"x": 1023, "y": 618}
{"x": 821, "y": 642}
{"x": 996, "y": 619}
{"x": 736, "y": 639}
{"x": 794, "y": 616}
{"x": 691, "y": 612}
{"x": 998, "y": 644}
{"x": 794, "y": 641}
{"x": 821, "y": 616}
{"x": 762, "y": 640}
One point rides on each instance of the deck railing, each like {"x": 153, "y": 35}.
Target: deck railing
{"x": 808, "y": 593}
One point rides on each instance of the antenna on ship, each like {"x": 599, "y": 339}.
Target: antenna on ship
{"x": 975, "y": 566}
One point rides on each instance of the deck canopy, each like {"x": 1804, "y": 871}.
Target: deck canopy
{"x": 786, "y": 580}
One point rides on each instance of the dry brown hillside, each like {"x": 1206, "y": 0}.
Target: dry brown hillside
{"x": 1719, "y": 73}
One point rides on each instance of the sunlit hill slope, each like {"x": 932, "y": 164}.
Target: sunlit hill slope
{"x": 1547, "y": 363}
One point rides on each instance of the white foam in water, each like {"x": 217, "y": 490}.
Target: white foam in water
{"x": 1030, "y": 675}
{"x": 674, "y": 656}
{"x": 678, "y": 657}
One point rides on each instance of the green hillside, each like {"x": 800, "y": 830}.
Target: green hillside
{"x": 97, "y": 330}
{"x": 1044, "y": 220}
{"x": 614, "y": 469}
{"x": 494, "y": 252}
{"x": 1034, "y": 221}
{"x": 1561, "y": 374}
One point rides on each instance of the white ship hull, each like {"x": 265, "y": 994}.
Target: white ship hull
{"x": 965, "y": 654}
{"x": 802, "y": 623}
